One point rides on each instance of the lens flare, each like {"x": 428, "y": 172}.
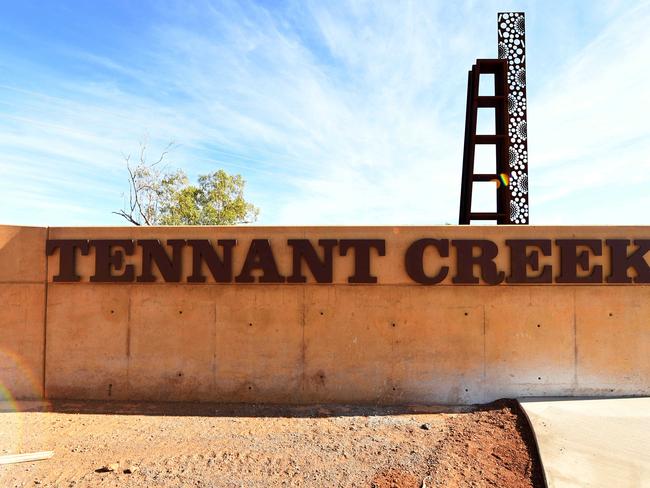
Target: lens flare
{"x": 502, "y": 180}
{"x": 19, "y": 381}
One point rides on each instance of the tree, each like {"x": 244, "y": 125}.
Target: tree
{"x": 161, "y": 197}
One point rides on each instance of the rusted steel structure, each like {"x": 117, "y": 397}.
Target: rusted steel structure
{"x": 500, "y": 140}
{"x": 510, "y": 137}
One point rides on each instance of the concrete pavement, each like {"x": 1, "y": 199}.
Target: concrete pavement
{"x": 592, "y": 442}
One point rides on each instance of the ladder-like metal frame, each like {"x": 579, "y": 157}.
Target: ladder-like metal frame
{"x": 500, "y": 140}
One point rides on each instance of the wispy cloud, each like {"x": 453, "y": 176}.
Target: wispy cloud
{"x": 335, "y": 112}
{"x": 589, "y": 126}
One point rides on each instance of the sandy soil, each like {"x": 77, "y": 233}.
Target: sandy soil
{"x": 253, "y": 446}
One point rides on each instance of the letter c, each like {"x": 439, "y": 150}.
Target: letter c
{"x": 415, "y": 265}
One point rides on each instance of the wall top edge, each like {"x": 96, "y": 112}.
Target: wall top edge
{"x": 328, "y": 227}
{"x": 19, "y": 227}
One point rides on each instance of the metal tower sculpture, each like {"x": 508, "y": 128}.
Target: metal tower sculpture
{"x": 510, "y": 137}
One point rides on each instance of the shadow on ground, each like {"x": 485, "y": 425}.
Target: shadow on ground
{"x": 199, "y": 409}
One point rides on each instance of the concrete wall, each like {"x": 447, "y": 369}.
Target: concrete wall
{"x": 391, "y": 342}
{"x": 22, "y": 311}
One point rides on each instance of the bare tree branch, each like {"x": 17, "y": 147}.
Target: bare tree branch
{"x": 121, "y": 213}
{"x": 144, "y": 187}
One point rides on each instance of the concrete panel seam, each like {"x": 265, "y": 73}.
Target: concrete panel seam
{"x": 38, "y": 282}
{"x": 484, "y": 381}
{"x": 128, "y": 348}
{"x": 215, "y": 337}
{"x": 302, "y": 345}
{"x": 45, "y": 308}
{"x": 575, "y": 343}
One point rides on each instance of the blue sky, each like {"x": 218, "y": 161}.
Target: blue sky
{"x": 347, "y": 112}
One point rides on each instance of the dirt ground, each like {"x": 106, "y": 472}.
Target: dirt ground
{"x": 180, "y": 445}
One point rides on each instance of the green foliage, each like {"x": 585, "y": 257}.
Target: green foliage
{"x": 218, "y": 199}
{"x": 157, "y": 197}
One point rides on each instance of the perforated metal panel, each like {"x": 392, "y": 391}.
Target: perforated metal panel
{"x": 512, "y": 47}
